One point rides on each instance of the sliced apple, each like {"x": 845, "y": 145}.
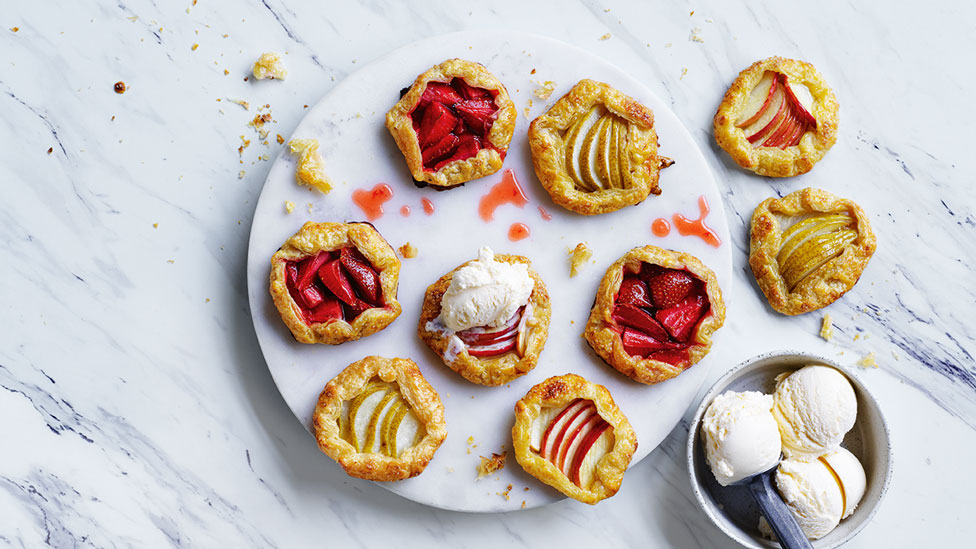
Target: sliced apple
{"x": 771, "y": 117}
{"x": 801, "y": 100}
{"x": 580, "y": 432}
{"x": 484, "y": 335}
{"x": 598, "y": 443}
{"x": 524, "y": 331}
{"x": 759, "y": 99}
{"x": 493, "y": 349}
{"x": 558, "y": 424}
{"x": 569, "y": 440}
{"x": 786, "y": 127}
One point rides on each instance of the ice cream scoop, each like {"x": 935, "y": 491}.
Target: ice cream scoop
{"x": 741, "y": 436}
{"x": 815, "y": 407}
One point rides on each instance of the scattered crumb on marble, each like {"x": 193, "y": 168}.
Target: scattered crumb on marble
{"x": 155, "y": 225}
{"x": 241, "y": 102}
{"x": 695, "y": 35}
{"x": 489, "y": 465}
{"x": 544, "y": 91}
{"x": 895, "y": 355}
{"x": 309, "y": 206}
{"x": 532, "y": 71}
{"x": 709, "y": 21}
{"x": 523, "y": 504}
{"x": 119, "y": 87}
{"x": 240, "y": 174}
{"x": 207, "y": 300}
{"x": 269, "y": 66}
{"x": 868, "y": 361}
{"x": 289, "y": 206}
{"x": 51, "y": 149}
{"x": 605, "y": 36}
{"x": 857, "y": 337}
{"x": 311, "y": 166}
{"x": 668, "y": 45}
{"x": 194, "y": 47}
{"x": 577, "y": 256}
{"x": 827, "y": 328}
{"x": 525, "y": 111}
{"x": 450, "y": 469}
{"x": 170, "y": 261}
{"x": 408, "y": 251}
{"x": 504, "y": 494}
{"x": 684, "y": 71}
{"x": 226, "y": 72}
{"x": 279, "y": 139}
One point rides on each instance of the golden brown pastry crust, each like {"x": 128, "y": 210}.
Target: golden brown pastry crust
{"x": 316, "y": 237}
{"x": 546, "y": 139}
{"x": 416, "y": 391}
{"x": 773, "y": 161}
{"x": 496, "y": 370}
{"x": 560, "y": 391}
{"x": 602, "y": 337}
{"x": 832, "y": 279}
{"x": 488, "y": 160}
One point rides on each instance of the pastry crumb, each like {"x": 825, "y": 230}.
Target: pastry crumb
{"x": 240, "y": 174}
{"x": 50, "y": 150}
{"x": 526, "y": 489}
{"x": 289, "y": 206}
{"x": 119, "y": 87}
{"x": 504, "y": 494}
{"x": 241, "y": 102}
{"x": 489, "y": 465}
{"x": 668, "y": 45}
{"x": 605, "y": 36}
{"x": 868, "y": 361}
{"x": 895, "y": 355}
{"x": 523, "y": 504}
{"x": 695, "y": 35}
{"x": 857, "y": 337}
{"x": 269, "y": 66}
{"x": 544, "y": 91}
{"x": 207, "y": 300}
{"x": 311, "y": 167}
{"x": 408, "y": 251}
{"x": 194, "y": 47}
{"x": 525, "y": 111}
{"x": 279, "y": 139}
{"x": 450, "y": 469}
{"x": 259, "y": 121}
{"x": 684, "y": 71}
{"x": 171, "y": 261}
{"x": 827, "y": 328}
{"x": 309, "y": 205}
{"x": 577, "y": 256}
{"x": 155, "y": 225}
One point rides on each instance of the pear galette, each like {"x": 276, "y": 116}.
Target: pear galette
{"x": 654, "y": 314}
{"x": 778, "y": 118}
{"x": 335, "y": 282}
{"x": 571, "y": 435}
{"x": 808, "y": 248}
{"x": 380, "y": 419}
{"x": 454, "y": 124}
{"x": 595, "y": 150}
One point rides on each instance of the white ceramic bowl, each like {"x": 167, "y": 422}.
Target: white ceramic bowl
{"x": 732, "y": 508}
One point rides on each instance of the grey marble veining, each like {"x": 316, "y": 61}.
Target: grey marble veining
{"x": 137, "y": 408}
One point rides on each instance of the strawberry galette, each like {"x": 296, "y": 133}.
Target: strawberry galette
{"x": 654, "y": 314}
{"x": 571, "y": 435}
{"x": 595, "y": 150}
{"x": 454, "y": 124}
{"x": 488, "y": 319}
{"x": 808, "y": 248}
{"x": 778, "y": 118}
{"x": 380, "y": 419}
{"x": 335, "y": 282}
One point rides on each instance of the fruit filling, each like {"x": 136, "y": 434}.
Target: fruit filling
{"x": 380, "y": 421}
{"x": 333, "y": 285}
{"x": 573, "y": 438}
{"x": 657, "y": 311}
{"x": 811, "y": 242}
{"x": 777, "y": 113}
{"x": 486, "y": 341}
{"x": 596, "y": 152}
{"x": 452, "y": 122}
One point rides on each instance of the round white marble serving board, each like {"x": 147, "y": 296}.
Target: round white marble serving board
{"x": 359, "y": 153}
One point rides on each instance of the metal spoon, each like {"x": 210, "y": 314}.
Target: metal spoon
{"x": 773, "y": 507}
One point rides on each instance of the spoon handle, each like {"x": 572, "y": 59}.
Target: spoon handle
{"x": 778, "y": 515}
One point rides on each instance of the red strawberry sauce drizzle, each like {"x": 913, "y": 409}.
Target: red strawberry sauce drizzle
{"x": 333, "y": 285}
{"x": 452, "y": 121}
{"x": 657, "y": 311}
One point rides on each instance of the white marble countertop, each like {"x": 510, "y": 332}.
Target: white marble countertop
{"x": 137, "y": 408}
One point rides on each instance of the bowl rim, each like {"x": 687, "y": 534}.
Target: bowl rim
{"x": 722, "y": 382}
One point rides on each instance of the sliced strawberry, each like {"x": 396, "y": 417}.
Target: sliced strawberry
{"x": 439, "y": 92}
{"x": 468, "y": 91}
{"x": 468, "y": 146}
{"x": 633, "y": 292}
{"x": 335, "y": 280}
{"x": 674, "y": 357}
{"x": 363, "y": 277}
{"x": 640, "y": 344}
{"x": 329, "y": 309}
{"x": 440, "y": 149}
{"x": 649, "y": 271}
{"x": 437, "y": 122}
{"x": 478, "y": 114}
{"x": 307, "y": 269}
{"x": 670, "y": 287}
{"x": 355, "y": 309}
{"x": 682, "y": 318}
{"x": 634, "y": 317}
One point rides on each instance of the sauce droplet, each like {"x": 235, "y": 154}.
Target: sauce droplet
{"x": 518, "y": 231}
{"x": 661, "y": 227}
{"x": 545, "y": 215}
{"x": 697, "y": 227}
{"x": 428, "y": 206}
{"x": 371, "y": 202}
{"x": 405, "y": 211}
{"x": 506, "y": 192}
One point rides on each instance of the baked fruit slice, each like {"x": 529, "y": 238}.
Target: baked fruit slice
{"x": 335, "y": 282}
{"x": 778, "y": 118}
{"x": 454, "y": 124}
{"x": 595, "y": 150}
{"x": 488, "y": 319}
{"x": 380, "y": 419}
{"x": 808, "y": 248}
{"x": 571, "y": 435}
{"x": 654, "y": 314}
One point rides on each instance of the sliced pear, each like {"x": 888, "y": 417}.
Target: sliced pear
{"x": 587, "y": 156}
{"x": 814, "y": 253}
{"x": 603, "y": 150}
{"x": 614, "y": 154}
{"x": 409, "y": 430}
{"x": 354, "y": 407}
{"x": 574, "y": 139}
{"x": 374, "y": 420}
{"x": 387, "y": 429}
{"x": 801, "y": 231}
{"x": 626, "y": 178}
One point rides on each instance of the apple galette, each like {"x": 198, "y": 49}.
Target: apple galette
{"x": 595, "y": 150}
{"x": 454, "y": 124}
{"x": 808, "y": 248}
{"x": 488, "y": 319}
{"x": 571, "y": 435}
{"x": 335, "y": 282}
{"x": 654, "y": 314}
{"x": 778, "y": 118}
{"x": 380, "y": 419}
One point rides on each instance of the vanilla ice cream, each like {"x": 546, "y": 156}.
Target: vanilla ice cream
{"x": 850, "y": 475}
{"x": 741, "y": 436}
{"x": 485, "y": 292}
{"x": 815, "y": 407}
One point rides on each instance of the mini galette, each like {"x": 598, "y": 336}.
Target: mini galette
{"x": 595, "y": 150}
{"x": 808, "y": 248}
{"x": 335, "y": 282}
{"x": 454, "y": 124}
{"x": 571, "y": 435}
{"x": 488, "y": 319}
{"x": 380, "y": 419}
{"x": 654, "y": 314}
{"x": 778, "y": 118}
